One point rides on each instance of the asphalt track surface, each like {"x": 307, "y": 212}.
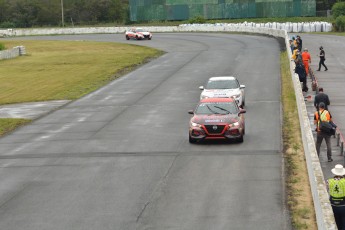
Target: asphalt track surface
{"x": 119, "y": 158}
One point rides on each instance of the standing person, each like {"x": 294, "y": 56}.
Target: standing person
{"x": 321, "y": 97}
{"x": 294, "y": 53}
{"x": 306, "y": 60}
{"x": 323, "y": 115}
{"x": 292, "y": 45}
{"x": 322, "y": 56}
{"x": 299, "y": 43}
{"x": 302, "y": 75}
{"x": 336, "y": 190}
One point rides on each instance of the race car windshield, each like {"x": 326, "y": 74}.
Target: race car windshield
{"x": 217, "y": 108}
{"x": 222, "y": 84}
{"x": 140, "y": 30}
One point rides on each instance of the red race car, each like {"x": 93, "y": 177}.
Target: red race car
{"x": 217, "y": 118}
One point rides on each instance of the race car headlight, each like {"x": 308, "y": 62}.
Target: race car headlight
{"x": 236, "y": 95}
{"x": 236, "y": 124}
{"x": 203, "y": 97}
{"x": 193, "y": 124}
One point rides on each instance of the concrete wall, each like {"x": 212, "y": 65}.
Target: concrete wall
{"x": 12, "y": 53}
{"x": 289, "y": 27}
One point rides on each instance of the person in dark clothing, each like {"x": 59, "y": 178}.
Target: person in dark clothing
{"x": 302, "y": 75}
{"x": 321, "y": 97}
{"x": 325, "y": 116}
{"x": 322, "y": 56}
{"x": 299, "y": 43}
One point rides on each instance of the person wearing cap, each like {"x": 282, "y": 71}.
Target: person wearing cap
{"x": 336, "y": 190}
{"x": 306, "y": 60}
{"x": 322, "y": 115}
{"x": 322, "y": 56}
{"x": 321, "y": 97}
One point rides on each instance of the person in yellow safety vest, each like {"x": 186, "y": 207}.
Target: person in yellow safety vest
{"x": 323, "y": 115}
{"x": 336, "y": 190}
{"x": 306, "y": 60}
{"x": 294, "y": 53}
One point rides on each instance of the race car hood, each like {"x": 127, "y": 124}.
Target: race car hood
{"x": 215, "y": 119}
{"x": 220, "y": 92}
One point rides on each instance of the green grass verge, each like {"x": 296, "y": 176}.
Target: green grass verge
{"x": 299, "y": 196}
{"x": 9, "y": 124}
{"x": 57, "y": 70}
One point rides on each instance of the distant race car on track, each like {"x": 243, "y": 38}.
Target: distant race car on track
{"x": 138, "y": 34}
{"x": 225, "y": 86}
{"x": 217, "y": 118}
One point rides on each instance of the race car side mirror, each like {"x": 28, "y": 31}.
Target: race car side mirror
{"x": 242, "y": 86}
{"x": 191, "y": 112}
{"x": 242, "y": 111}
{"x": 201, "y": 87}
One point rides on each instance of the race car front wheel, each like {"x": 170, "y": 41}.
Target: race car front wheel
{"x": 127, "y": 37}
{"x": 191, "y": 140}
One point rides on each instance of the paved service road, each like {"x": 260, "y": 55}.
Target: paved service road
{"x": 333, "y": 82}
{"x": 120, "y": 159}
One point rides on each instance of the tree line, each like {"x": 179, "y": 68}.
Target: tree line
{"x": 36, "y": 13}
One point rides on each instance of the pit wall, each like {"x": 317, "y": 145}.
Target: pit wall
{"x": 323, "y": 209}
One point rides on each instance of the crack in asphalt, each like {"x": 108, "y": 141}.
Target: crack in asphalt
{"x": 159, "y": 186}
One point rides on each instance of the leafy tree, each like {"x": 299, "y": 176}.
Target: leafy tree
{"x": 340, "y": 23}
{"x": 338, "y": 9}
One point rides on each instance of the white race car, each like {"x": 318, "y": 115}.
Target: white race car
{"x": 138, "y": 34}
{"x": 224, "y": 86}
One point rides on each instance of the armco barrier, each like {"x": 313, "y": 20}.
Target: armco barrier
{"x": 323, "y": 209}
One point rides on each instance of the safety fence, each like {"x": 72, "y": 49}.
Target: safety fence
{"x": 12, "y": 53}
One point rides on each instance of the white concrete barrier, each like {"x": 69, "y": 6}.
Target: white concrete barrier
{"x": 288, "y": 26}
{"x": 12, "y": 53}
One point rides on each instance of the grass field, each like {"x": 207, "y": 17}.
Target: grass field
{"x": 59, "y": 70}
{"x": 56, "y": 70}
{"x": 8, "y": 124}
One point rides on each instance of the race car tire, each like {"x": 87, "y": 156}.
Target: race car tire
{"x": 127, "y": 38}
{"x": 191, "y": 140}
{"x": 240, "y": 140}
{"x": 149, "y": 38}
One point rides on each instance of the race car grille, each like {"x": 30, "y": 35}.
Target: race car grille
{"x": 146, "y": 36}
{"x": 214, "y": 129}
